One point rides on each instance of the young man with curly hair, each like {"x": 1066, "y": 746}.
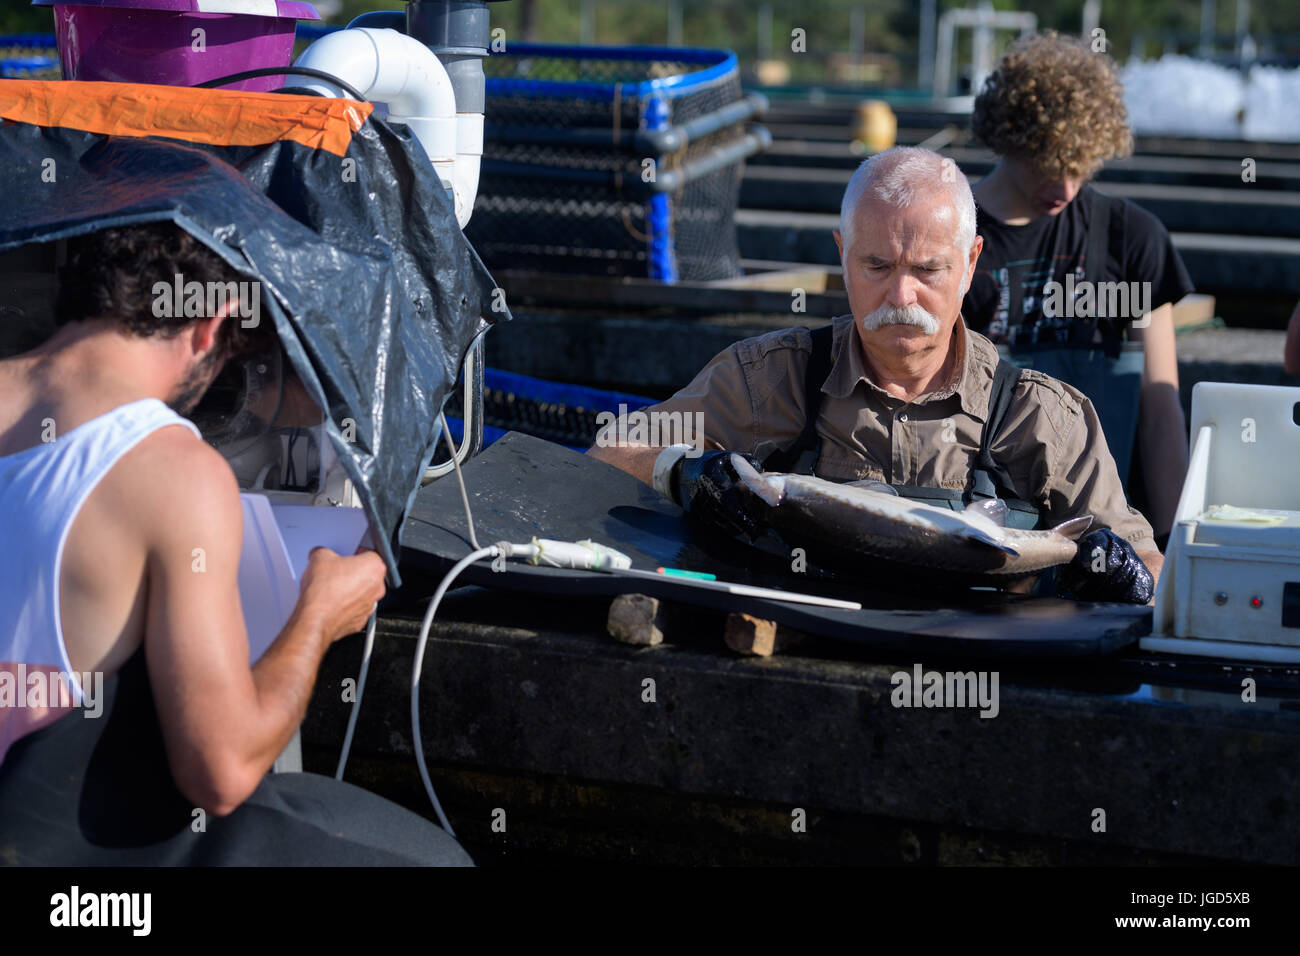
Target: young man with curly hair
{"x": 1067, "y": 273}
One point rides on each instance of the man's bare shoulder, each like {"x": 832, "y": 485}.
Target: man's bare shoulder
{"x": 174, "y": 482}
{"x": 177, "y": 454}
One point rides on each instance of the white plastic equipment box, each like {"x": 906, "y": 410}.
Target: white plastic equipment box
{"x": 1231, "y": 580}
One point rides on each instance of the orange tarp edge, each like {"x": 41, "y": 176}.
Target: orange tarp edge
{"x": 213, "y": 117}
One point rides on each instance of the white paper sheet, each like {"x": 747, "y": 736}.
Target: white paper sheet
{"x": 277, "y": 542}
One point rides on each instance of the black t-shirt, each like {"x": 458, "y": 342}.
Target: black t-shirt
{"x": 1005, "y": 301}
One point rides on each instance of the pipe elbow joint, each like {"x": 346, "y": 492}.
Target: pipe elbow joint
{"x": 392, "y": 68}
{"x": 398, "y": 70}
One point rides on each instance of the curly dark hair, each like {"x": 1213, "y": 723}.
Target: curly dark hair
{"x": 111, "y": 274}
{"x": 1055, "y": 105}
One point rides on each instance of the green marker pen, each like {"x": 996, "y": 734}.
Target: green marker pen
{"x": 679, "y": 573}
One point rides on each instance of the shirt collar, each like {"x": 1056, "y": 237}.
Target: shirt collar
{"x": 974, "y": 380}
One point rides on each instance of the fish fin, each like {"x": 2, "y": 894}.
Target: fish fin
{"x": 877, "y": 486}
{"x": 995, "y": 509}
{"x": 769, "y": 489}
{"x": 983, "y": 537}
{"x": 1073, "y": 528}
{"x": 970, "y": 524}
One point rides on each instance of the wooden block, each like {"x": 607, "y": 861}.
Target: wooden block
{"x": 635, "y": 619}
{"x": 809, "y": 278}
{"x": 746, "y": 634}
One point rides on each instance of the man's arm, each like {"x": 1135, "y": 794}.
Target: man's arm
{"x": 720, "y": 406}
{"x": 638, "y": 460}
{"x": 224, "y": 723}
{"x": 705, "y": 485}
{"x": 1154, "y": 561}
{"x": 717, "y": 399}
{"x": 1077, "y": 475}
{"x": 1162, "y": 427}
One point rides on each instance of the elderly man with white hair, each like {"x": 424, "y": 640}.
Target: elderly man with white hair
{"x": 901, "y": 392}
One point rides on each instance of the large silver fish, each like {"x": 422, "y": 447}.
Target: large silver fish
{"x": 838, "y": 522}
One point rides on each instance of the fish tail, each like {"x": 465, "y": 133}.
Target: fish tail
{"x": 1073, "y": 528}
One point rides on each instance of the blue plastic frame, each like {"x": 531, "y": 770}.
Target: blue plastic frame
{"x": 16, "y": 68}
{"x": 20, "y": 67}
{"x": 656, "y": 93}
{"x": 33, "y": 41}
{"x": 719, "y": 64}
{"x": 658, "y": 211}
{"x": 540, "y": 389}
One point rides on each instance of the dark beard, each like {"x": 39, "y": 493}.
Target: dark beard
{"x": 195, "y": 383}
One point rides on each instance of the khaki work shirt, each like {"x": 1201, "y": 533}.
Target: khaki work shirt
{"x": 751, "y": 398}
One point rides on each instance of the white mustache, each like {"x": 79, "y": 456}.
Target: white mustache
{"x": 906, "y": 315}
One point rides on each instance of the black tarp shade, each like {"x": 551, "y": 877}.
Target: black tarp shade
{"x": 375, "y": 293}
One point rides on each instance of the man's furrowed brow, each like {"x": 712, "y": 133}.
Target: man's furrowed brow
{"x": 930, "y": 262}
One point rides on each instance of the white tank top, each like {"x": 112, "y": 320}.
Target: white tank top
{"x": 42, "y": 490}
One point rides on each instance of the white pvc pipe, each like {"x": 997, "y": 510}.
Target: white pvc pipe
{"x": 393, "y": 68}
{"x": 469, "y": 155}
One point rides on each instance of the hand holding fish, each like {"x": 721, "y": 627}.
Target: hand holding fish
{"x": 709, "y": 489}
{"x": 1106, "y": 568}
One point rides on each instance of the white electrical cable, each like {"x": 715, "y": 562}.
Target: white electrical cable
{"x": 560, "y": 554}
{"x": 361, "y": 686}
{"x": 370, "y": 628}
{"x": 428, "y": 623}
{"x": 489, "y": 552}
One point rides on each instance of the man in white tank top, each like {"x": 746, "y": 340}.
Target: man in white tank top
{"x": 106, "y": 494}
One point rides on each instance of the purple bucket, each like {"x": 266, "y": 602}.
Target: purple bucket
{"x": 152, "y": 41}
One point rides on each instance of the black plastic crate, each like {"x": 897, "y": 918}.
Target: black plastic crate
{"x": 614, "y": 161}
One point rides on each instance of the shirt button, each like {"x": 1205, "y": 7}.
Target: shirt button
{"x": 902, "y": 417}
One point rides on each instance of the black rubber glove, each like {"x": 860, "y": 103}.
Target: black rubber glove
{"x": 707, "y": 487}
{"x": 1123, "y": 578}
